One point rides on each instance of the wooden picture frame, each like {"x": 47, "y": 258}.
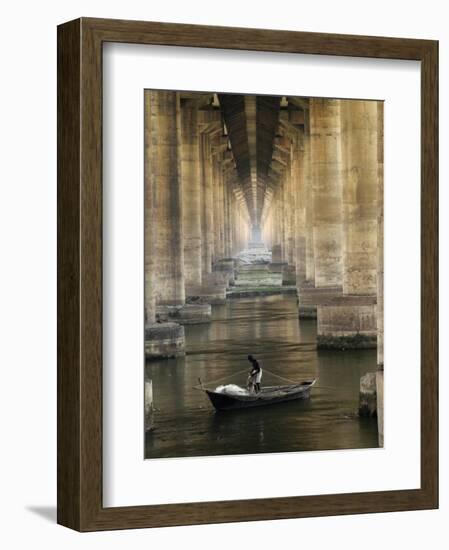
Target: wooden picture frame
{"x": 80, "y": 504}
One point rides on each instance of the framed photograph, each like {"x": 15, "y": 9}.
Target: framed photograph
{"x": 247, "y": 274}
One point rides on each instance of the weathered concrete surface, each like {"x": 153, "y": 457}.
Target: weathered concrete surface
{"x": 255, "y": 275}
{"x": 368, "y": 395}
{"x": 150, "y": 229}
{"x": 326, "y": 167}
{"x": 149, "y": 409}
{"x": 164, "y": 340}
{"x": 250, "y": 292}
{"x": 188, "y": 314}
{"x": 277, "y": 267}
{"x": 164, "y": 153}
{"x": 307, "y": 312}
{"x": 380, "y": 239}
{"x": 254, "y": 255}
{"x": 276, "y": 254}
{"x": 206, "y": 294}
{"x": 380, "y": 405}
{"x": 347, "y": 327}
{"x": 191, "y": 192}
{"x": 360, "y": 188}
{"x": 289, "y": 275}
{"x": 225, "y": 267}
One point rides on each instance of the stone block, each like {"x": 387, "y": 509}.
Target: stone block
{"x": 149, "y": 409}
{"x": 368, "y": 395}
{"x": 164, "y": 340}
{"x": 188, "y": 314}
{"x": 256, "y": 275}
{"x": 212, "y": 294}
{"x": 289, "y": 275}
{"x": 347, "y": 327}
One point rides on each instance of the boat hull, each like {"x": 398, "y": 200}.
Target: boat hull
{"x": 226, "y": 402}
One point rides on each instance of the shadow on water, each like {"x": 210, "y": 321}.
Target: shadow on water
{"x": 186, "y": 423}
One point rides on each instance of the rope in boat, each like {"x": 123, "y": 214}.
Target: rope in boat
{"x": 228, "y": 377}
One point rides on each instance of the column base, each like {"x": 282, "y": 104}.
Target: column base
{"x": 306, "y": 312}
{"x": 224, "y": 271}
{"x": 350, "y": 341}
{"x": 188, "y": 314}
{"x": 289, "y": 275}
{"x": 206, "y": 295}
{"x": 348, "y": 324}
{"x": 368, "y": 395}
{"x": 257, "y": 275}
{"x": 380, "y": 404}
{"x": 164, "y": 340}
{"x": 219, "y": 277}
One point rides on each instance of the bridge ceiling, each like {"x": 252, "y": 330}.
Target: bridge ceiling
{"x": 251, "y": 123}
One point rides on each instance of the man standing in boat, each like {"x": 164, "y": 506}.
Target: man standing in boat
{"x": 255, "y": 374}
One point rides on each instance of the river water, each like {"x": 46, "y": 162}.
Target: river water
{"x": 186, "y": 424}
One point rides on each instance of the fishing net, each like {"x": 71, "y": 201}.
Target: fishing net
{"x": 232, "y": 389}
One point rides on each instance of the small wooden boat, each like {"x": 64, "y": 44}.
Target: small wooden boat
{"x": 269, "y": 395}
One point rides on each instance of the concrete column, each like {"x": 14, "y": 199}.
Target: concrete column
{"x": 352, "y": 322}
{"x": 360, "y": 175}
{"x": 207, "y": 217}
{"x": 191, "y": 192}
{"x": 380, "y": 236}
{"x": 167, "y": 211}
{"x": 289, "y": 272}
{"x": 300, "y": 208}
{"x": 326, "y": 159}
{"x": 164, "y": 281}
{"x": 150, "y": 228}
{"x": 309, "y": 219}
{"x": 380, "y": 275}
{"x": 216, "y": 176}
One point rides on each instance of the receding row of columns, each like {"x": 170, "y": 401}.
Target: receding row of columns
{"x": 325, "y": 218}
{"x": 195, "y": 217}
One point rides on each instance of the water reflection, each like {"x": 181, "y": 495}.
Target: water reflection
{"x": 268, "y": 327}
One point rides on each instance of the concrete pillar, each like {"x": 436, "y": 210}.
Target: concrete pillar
{"x": 191, "y": 192}
{"x": 207, "y": 217}
{"x": 167, "y": 210}
{"x": 150, "y": 228}
{"x": 164, "y": 281}
{"x": 380, "y": 275}
{"x": 300, "y": 208}
{"x": 380, "y": 236}
{"x": 352, "y": 322}
{"x": 149, "y": 409}
{"x": 309, "y": 219}
{"x": 360, "y": 175}
{"x": 326, "y": 166}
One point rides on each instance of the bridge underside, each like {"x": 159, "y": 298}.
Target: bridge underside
{"x": 283, "y": 190}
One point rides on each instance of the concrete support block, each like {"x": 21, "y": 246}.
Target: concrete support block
{"x": 149, "y": 409}
{"x": 380, "y": 404}
{"x": 164, "y": 340}
{"x": 310, "y": 297}
{"x": 276, "y": 253}
{"x": 225, "y": 270}
{"x": 347, "y": 327}
{"x": 368, "y": 395}
{"x": 277, "y": 267}
{"x": 217, "y": 278}
{"x": 257, "y": 275}
{"x": 307, "y": 312}
{"x": 213, "y": 295}
{"x": 188, "y": 314}
{"x": 289, "y": 275}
